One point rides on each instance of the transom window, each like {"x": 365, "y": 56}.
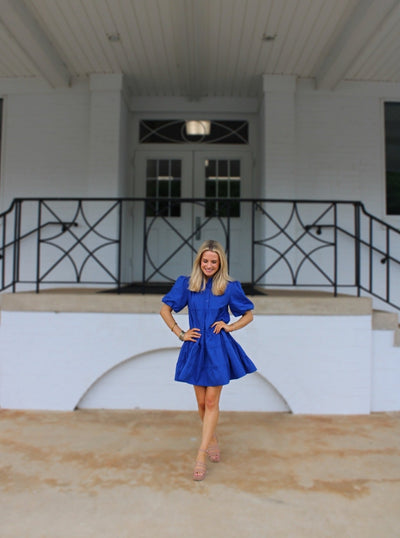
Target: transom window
{"x": 174, "y": 132}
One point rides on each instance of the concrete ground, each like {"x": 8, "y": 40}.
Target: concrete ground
{"x": 128, "y": 474}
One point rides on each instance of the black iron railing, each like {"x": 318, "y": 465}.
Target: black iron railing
{"x": 115, "y": 242}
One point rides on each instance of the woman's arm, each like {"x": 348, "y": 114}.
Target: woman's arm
{"x": 191, "y": 335}
{"x": 236, "y": 325}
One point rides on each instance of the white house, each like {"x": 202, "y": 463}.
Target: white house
{"x": 301, "y": 100}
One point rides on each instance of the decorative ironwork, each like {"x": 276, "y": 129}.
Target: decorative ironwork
{"x": 91, "y": 240}
{"x": 288, "y": 235}
{"x": 184, "y": 239}
{"x": 302, "y": 243}
{"x": 174, "y": 132}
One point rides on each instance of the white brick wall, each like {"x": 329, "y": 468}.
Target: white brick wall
{"x": 51, "y": 361}
{"x": 45, "y": 145}
{"x": 332, "y": 142}
{"x": 339, "y": 148}
{"x": 69, "y": 142}
{"x": 386, "y": 372}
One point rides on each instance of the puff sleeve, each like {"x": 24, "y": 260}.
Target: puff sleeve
{"x": 177, "y": 297}
{"x": 238, "y": 302}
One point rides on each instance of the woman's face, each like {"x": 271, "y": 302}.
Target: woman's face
{"x": 209, "y": 263}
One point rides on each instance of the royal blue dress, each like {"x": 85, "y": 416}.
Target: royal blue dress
{"x": 214, "y": 359}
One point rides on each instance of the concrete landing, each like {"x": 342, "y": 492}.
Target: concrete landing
{"x": 128, "y": 474}
{"x": 87, "y": 300}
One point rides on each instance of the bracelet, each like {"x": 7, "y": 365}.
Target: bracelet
{"x": 173, "y": 326}
{"x": 182, "y": 335}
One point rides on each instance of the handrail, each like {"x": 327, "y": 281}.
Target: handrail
{"x": 377, "y": 219}
{"x": 64, "y": 225}
{"x": 284, "y": 240}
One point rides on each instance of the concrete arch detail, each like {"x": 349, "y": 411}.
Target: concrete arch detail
{"x": 146, "y": 381}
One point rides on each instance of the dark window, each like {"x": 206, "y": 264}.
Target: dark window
{"x": 392, "y": 149}
{"x": 1, "y": 124}
{"x": 222, "y": 181}
{"x": 163, "y": 180}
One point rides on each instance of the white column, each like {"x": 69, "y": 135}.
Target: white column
{"x": 107, "y": 136}
{"x": 278, "y": 137}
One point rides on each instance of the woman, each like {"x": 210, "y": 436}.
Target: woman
{"x": 209, "y": 357}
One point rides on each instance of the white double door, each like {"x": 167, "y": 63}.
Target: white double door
{"x": 175, "y": 230}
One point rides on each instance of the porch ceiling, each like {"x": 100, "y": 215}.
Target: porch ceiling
{"x": 198, "y": 48}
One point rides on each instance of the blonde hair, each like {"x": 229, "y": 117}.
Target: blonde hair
{"x": 221, "y": 278}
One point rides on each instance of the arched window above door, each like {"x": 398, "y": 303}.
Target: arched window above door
{"x": 174, "y": 132}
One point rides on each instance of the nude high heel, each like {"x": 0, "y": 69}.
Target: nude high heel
{"x": 213, "y": 452}
{"x": 200, "y": 469}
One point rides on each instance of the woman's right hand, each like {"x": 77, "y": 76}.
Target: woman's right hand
{"x": 191, "y": 335}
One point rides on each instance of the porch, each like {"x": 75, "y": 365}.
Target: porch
{"x": 141, "y": 245}
{"x": 316, "y": 271}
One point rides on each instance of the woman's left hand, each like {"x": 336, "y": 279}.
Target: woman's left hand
{"x": 219, "y": 325}
{"x": 236, "y": 325}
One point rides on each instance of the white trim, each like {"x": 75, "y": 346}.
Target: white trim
{"x": 179, "y": 105}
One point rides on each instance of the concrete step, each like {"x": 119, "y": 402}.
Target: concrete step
{"x": 387, "y": 321}
{"x": 396, "y": 341}
{"x": 384, "y": 321}
{"x": 90, "y": 300}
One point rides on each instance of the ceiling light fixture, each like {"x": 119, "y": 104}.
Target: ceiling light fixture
{"x": 268, "y": 37}
{"x": 114, "y": 38}
{"x": 198, "y": 127}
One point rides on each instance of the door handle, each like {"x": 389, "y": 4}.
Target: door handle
{"x": 198, "y": 230}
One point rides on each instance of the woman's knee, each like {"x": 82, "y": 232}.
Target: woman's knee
{"x": 211, "y": 404}
{"x": 201, "y": 405}
{"x": 200, "y": 397}
{"x": 211, "y": 401}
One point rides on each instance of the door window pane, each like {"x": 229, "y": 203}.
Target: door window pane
{"x": 222, "y": 189}
{"x": 234, "y": 189}
{"x": 223, "y": 169}
{"x": 210, "y": 168}
{"x": 223, "y": 180}
{"x": 235, "y": 168}
{"x": 163, "y": 168}
{"x": 176, "y": 168}
{"x": 175, "y": 189}
{"x": 211, "y": 189}
{"x": 163, "y": 188}
{"x": 175, "y": 210}
{"x": 163, "y": 180}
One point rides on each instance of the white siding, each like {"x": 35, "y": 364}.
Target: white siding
{"x": 45, "y": 145}
{"x": 55, "y": 360}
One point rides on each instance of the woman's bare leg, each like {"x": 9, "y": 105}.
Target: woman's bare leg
{"x": 201, "y": 400}
{"x": 208, "y": 404}
{"x": 201, "y": 405}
